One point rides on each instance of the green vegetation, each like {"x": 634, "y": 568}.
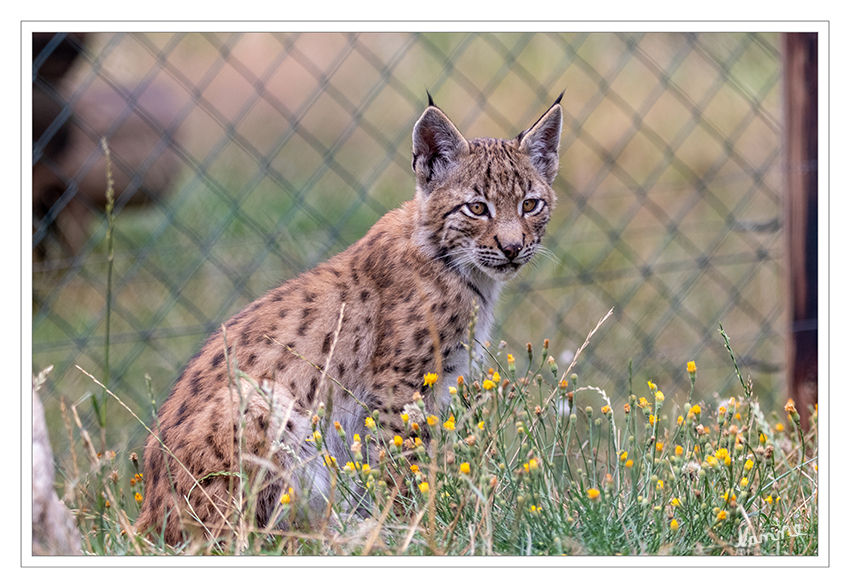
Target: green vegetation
{"x": 527, "y": 459}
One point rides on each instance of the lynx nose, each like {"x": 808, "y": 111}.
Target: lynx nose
{"x": 511, "y": 250}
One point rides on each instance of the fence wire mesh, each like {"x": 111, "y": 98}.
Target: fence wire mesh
{"x": 241, "y": 160}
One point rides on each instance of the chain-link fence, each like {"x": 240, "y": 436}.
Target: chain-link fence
{"x": 242, "y": 159}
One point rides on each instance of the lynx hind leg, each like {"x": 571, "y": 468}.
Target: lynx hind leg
{"x": 178, "y": 505}
{"x": 187, "y": 489}
{"x": 193, "y": 486}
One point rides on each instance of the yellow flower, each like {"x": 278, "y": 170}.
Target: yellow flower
{"x": 449, "y": 425}
{"x": 675, "y": 502}
{"x": 721, "y": 453}
{"x": 356, "y": 438}
{"x": 652, "y": 419}
{"x": 488, "y": 384}
{"x": 510, "y": 358}
{"x": 452, "y": 390}
{"x": 423, "y": 487}
{"x": 643, "y": 402}
{"x": 659, "y": 486}
{"x": 659, "y": 396}
{"x": 530, "y": 466}
{"x": 481, "y": 425}
{"x": 711, "y": 460}
{"x": 370, "y": 423}
{"x": 652, "y": 387}
{"x": 606, "y": 409}
{"x": 680, "y": 420}
{"x": 414, "y": 468}
{"x": 496, "y": 377}
{"x": 744, "y": 482}
{"x": 726, "y": 496}
{"x": 696, "y": 409}
{"x": 780, "y": 427}
{"x": 417, "y": 442}
{"x": 286, "y": 499}
{"x": 721, "y": 411}
{"x": 397, "y": 441}
{"x": 629, "y": 464}
{"x": 624, "y": 455}
{"x": 679, "y": 450}
{"x": 405, "y": 417}
{"x": 659, "y": 447}
{"x": 748, "y": 465}
{"x": 721, "y": 516}
{"x": 432, "y": 420}
{"x": 464, "y": 468}
{"x": 366, "y": 469}
{"x": 330, "y": 461}
{"x": 430, "y": 379}
{"x": 138, "y": 497}
{"x": 593, "y": 493}
{"x": 674, "y": 525}
{"x": 692, "y": 367}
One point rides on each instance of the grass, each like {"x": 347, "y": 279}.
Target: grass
{"x": 528, "y": 459}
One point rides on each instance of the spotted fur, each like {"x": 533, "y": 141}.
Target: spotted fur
{"x": 409, "y": 288}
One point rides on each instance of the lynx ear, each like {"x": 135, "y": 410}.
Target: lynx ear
{"x": 542, "y": 140}
{"x": 437, "y": 144}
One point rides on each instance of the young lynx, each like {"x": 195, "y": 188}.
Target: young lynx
{"x": 356, "y": 333}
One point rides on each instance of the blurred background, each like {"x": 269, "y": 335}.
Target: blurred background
{"x": 241, "y": 160}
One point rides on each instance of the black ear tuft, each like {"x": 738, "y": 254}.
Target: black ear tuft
{"x": 558, "y": 99}
{"x": 430, "y": 100}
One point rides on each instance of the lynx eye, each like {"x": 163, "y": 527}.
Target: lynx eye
{"x": 477, "y": 208}
{"x": 530, "y": 205}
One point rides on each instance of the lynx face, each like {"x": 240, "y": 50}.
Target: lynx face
{"x": 484, "y": 203}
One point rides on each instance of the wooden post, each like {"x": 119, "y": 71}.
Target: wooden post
{"x": 801, "y": 218}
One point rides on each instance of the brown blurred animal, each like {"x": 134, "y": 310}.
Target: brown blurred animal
{"x": 69, "y": 167}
